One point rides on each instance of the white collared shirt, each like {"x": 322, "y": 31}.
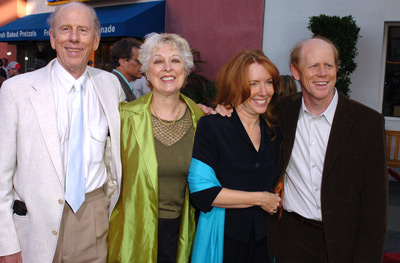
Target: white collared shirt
{"x": 95, "y": 124}
{"x": 303, "y": 176}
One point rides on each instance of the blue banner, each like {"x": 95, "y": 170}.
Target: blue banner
{"x": 135, "y": 20}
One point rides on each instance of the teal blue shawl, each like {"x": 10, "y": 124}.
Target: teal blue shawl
{"x": 209, "y": 240}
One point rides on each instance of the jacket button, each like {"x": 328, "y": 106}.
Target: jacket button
{"x": 60, "y": 201}
{"x": 54, "y": 232}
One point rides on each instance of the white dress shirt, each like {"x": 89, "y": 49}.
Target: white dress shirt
{"x": 303, "y": 176}
{"x": 95, "y": 124}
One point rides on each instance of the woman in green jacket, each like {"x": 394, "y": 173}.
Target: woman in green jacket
{"x": 153, "y": 221}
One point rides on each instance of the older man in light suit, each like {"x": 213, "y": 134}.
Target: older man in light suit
{"x": 44, "y": 153}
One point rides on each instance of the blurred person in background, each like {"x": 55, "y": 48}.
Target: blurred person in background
{"x": 287, "y": 85}
{"x": 13, "y": 69}
{"x": 5, "y": 64}
{"x": 39, "y": 63}
{"x": 140, "y": 86}
{"x": 125, "y": 64}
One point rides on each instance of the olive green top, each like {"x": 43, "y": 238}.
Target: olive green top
{"x": 174, "y": 145}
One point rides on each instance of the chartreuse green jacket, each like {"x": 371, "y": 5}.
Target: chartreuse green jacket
{"x": 134, "y": 220}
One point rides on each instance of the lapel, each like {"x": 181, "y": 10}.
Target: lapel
{"x": 145, "y": 139}
{"x": 44, "y": 108}
{"x": 240, "y": 129}
{"x": 288, "y": 126}
{"x": 104, "y": 89}
{"x": 341, "y": 125}
{"x": 105, "y": 94}
{"x": 98, "y": 86}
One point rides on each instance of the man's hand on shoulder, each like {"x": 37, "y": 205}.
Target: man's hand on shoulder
{"x": 205, "y": 109}
{"x": 225, "y": 111}
{"x": 14, "y": 258}
{"x": 220, "y": 109}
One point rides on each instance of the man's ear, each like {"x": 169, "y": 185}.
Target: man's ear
{"x": 121, "y": 61}
{"x": 295, "y": 72}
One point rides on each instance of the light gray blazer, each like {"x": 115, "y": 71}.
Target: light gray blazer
{"x": 31, "y": 165}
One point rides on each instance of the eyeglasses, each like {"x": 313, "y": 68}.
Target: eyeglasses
{"x": 136, "y": 60}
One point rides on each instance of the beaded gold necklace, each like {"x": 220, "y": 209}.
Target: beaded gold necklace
{"x": 163, "y": 122}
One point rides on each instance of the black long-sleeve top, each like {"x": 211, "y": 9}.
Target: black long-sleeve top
{"x": 224, "y": 145}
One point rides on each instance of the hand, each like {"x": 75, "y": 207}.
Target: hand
{"x": 206, "y": 110}
{"x": 269, "y": 202}
{"x": 224, "y": 110}
{"x": 14, "y": 258}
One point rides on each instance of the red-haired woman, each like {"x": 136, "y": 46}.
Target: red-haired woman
{"x": 234, "y": 164}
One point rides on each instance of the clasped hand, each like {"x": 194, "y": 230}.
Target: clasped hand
{"x": 269, "y": 202}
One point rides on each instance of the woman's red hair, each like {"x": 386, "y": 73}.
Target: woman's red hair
{"x": 234, "y": 84}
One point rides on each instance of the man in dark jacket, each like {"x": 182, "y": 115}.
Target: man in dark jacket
{"x": 332, "y": 169}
